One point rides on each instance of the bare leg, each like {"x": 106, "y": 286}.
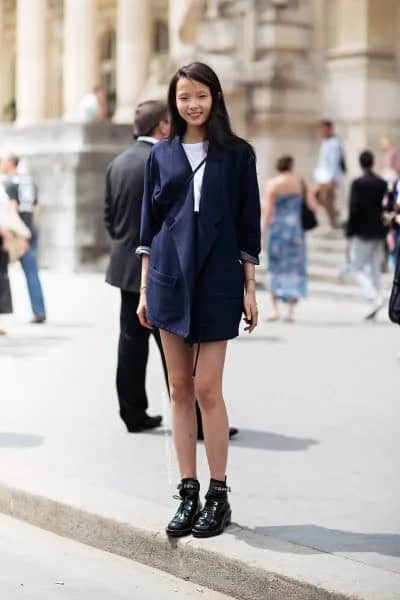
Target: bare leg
{"x": 331, "y": 206}
{"x": 326, "y": 197}
{"x": 179, "y": 357}
{"x": 274, "y": 316}
{"x": 291, "y": 310}
{"x": 208, "y": 390}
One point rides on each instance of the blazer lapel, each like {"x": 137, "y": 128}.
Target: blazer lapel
{"x": 210, "y": 215}
{"x": 180, "y": 219}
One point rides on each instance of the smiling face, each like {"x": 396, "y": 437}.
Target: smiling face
{"x": 193, "y": 101}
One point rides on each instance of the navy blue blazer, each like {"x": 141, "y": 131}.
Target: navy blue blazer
{"x": 196, "y": 281}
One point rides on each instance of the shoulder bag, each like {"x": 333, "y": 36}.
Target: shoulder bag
{"x": 308, "y": 218}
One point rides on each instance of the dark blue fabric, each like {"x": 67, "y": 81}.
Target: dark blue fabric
{"x": 198, "y": 295}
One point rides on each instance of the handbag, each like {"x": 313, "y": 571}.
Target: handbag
{"x": 18, "y": 232}
{"x": 16, "y": 248}
{"x": 308, "y": 218}
{"x": 394, "y": 301}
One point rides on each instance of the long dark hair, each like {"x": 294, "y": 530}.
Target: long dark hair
{"x": 219, "y": 130}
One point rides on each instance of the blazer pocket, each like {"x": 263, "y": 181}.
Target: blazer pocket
{"x": 162, "y": 278}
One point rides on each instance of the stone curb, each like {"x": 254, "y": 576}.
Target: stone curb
{"x": 184, "y": 558}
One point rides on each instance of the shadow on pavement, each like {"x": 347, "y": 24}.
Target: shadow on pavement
{"x": 338, "y": 324}
{"x": 20, "y": 440}
{"x": 309, "y": 539}
{"x": 69, "y": 324}
{"x": 266, "y": 440}
{"x": 260, "y": 338}
{"x": 23, "y": 347}
{"x": 260, "y": 440}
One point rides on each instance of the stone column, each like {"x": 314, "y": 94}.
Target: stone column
{"x": 31, "y": 61}
{"x": 133, "y": 55}
{"x": 212, "y": 9}
{"x": 2, "y": 62}
{"x": 177, "y": 9}
{"x": 79, "y": 54}
{"x": 362, "y": 89}
{"x": 274, "y": 49}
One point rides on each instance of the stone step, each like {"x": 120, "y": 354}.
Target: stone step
{"x": 330, "y": 274}
{"x": 326, "y": 259}
{"x": 322, "y": 244}
{"x": 331, "y": 291}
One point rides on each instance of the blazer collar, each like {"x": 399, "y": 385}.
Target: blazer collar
{"x": 211, "y": 209}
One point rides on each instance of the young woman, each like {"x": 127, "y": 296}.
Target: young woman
{"x": 200, "y": 240}
{"x": 286, "y": 248}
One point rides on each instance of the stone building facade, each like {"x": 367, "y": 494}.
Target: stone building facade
{"x": 284, "y": 64}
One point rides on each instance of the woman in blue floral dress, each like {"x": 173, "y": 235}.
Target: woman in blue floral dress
{"x": 282, "y": 228}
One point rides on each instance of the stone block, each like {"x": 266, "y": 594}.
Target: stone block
{"x": 217, "y": 36}
{"x": 282, "y": 36}
{"x": 68, "y": 163}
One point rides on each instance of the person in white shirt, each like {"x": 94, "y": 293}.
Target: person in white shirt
{"x": 329, "y": 170}
{"x": 93, "y": 106}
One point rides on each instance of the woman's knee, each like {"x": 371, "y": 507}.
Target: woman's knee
{"x": 208, "y": 394}
{"x": 181, "y": 389}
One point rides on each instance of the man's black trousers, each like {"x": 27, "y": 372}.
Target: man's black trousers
{"x": 133, "y": 352}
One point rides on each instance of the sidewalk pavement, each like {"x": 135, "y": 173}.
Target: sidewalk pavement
{"x": 314, "y": 473}
{"x": 39, "y": 565}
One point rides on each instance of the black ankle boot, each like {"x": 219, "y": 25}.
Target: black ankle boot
{"x": 216, "y": 514}
{"x": 189, "y": 508}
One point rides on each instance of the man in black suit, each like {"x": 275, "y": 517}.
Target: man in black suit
{"x": 123, "y": 203}
{"x": 122, "y": 216}
{"x": 367, "y": 232}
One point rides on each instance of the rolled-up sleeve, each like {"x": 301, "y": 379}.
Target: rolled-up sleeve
{"x": 147, "y": 228}
{"x": 143, "y": 250}
{"x": 249, "y": 217}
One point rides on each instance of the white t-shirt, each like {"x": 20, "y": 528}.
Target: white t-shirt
{"x": 88, "y": 107}
{"x": 328, "y": 167}
{"x": 4, "y": 199}
{"x": 195, "y": 154}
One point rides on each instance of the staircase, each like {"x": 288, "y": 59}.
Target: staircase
{"x": 326, "y": 251}
{"x": 326, "y": 257}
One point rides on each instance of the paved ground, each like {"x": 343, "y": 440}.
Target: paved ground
{"x": 317, "y": 460}
{"x": 38, "y": 565}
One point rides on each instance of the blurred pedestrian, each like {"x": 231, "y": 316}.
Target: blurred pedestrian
{"x": 123, "y": 205}
{"x": 391, "y": 161}
{"x": 21, "y": 189}
{"x": 93, "y": 106}
{"x": 394, "y": 300}
{"x": 5, "y": 289}
{"x": 200, "y": 240}
{"x": 391, "y": 217}
{"x": 282, "y": 227}
{"x": 329, "y": 171}
{"x": 367, "y": 232}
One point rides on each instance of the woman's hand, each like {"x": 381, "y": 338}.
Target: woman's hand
{"x": 250, "y": 311}
{"x": 142, "y": 310}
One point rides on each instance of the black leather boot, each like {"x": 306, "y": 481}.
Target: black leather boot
{"x": 189, "y": 508}
{"x": 216, "y": 513}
